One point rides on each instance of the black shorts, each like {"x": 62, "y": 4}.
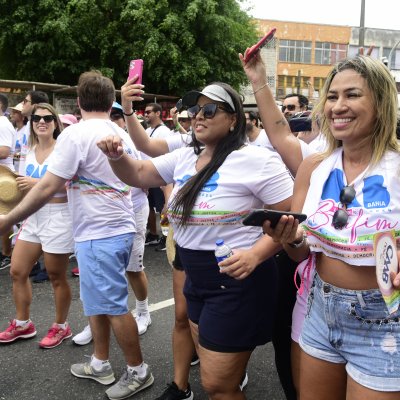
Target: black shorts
{"x": 156, "y": 199}
{"x": 177, "y": 263}
{"x": 232, "y": 315}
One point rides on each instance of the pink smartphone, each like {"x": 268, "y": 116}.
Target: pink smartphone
{"x": 253, "y": 50}
{"x": 136, "y": 68}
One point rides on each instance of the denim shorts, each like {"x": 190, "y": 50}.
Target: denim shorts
{"x": 353, "y": 327}
{"x": 232, "y": 315}
{"x": 102, "y": 265}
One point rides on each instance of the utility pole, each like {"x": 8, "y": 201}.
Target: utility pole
{"x": 362, "y": 25}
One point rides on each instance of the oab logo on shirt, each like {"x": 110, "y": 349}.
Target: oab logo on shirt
{"x": 210, "y": 186}
{"x": 35, "y": 173}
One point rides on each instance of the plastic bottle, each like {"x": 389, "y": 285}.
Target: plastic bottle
{"x": 164, "y": 223}
{"x": 222, "y": 251}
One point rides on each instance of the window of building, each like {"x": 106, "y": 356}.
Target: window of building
{"x": 288, "y": 84}
{"x": 395, "y": 64}
{"x": 298, "y": 51}
{"x": 329, "y": 53}
{"x": 354, "y": 49}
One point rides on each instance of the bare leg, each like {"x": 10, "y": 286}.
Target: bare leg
{"x": 295, "y": 355}
{"x": 321, "y": 379}
{"x": 56, "y": 266}
{"x": 126, "y": 333}
{"x": 139, "y": 284}
{"x": 24, "y": 256}
{"x": 357, "y": 392}
{"x": 6, "y": 244}
{"x": 182, "y": 342}
{"x": 100, "y": 327}
{"x": 152, "y": 222}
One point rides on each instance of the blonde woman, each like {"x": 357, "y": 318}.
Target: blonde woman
{"x": 48, "y": 231}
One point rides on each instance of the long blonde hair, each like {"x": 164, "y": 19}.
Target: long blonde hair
{"x": 384, "y": 97}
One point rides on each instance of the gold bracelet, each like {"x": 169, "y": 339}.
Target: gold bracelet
{"x": 262, "y": 87}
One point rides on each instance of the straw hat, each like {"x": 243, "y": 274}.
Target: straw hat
{"x": 170, "y": 244}
{"x": 10, "y": 195}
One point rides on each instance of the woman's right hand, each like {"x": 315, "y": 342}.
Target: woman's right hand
{"x": 131, "y": 91}
{"x": 286, "y": 231}
{"x": 254, "y": 68}
{"x": 111, "y": 146}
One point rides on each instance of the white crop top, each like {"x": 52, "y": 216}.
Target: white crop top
{"x": 36, "y": 170}
{"x": 375, "y": 208}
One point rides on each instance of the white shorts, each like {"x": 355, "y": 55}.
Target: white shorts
{"x": 136, "y": 259}
{"x": 51, "y": 226}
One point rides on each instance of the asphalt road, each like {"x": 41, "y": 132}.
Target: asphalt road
{"x": 29, "y": 372}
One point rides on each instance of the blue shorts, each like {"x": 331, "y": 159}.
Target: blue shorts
{"x": 102, "y": 265}
{"x": 353, "y": 327}
{"x": 232, "y": 315}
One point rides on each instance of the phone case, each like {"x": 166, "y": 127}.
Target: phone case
{"x": 258, "y": 217}
{"x": 301, "y": 124}
{"x": 136, "y": 68}
{"x": 253, "y": 51}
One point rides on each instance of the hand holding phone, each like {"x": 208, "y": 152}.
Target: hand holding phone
{"x": 136, "y": 68}
{"x": 258, "y": 217}
{"x": 254, "y": 49}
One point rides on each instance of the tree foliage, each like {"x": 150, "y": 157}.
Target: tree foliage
{"x": 184, "y": 44}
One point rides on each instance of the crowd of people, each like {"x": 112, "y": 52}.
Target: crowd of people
{"x": 316, "y": 290}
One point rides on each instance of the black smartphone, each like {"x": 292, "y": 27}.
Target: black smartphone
{"x": 300, "y": 124}
{"x": 258, "y": 217}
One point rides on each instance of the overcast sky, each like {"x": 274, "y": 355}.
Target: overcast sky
{"x": 382, "y": 14}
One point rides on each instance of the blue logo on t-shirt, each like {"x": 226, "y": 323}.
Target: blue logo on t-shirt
{"x": 35, "y": 173}
{"x": 375, "y": 195}
{"x": 210, "y": 186}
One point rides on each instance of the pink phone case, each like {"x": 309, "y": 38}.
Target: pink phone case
{"x": 136, "y": 68}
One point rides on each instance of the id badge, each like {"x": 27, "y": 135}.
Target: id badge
{"x": 386, "y": 262}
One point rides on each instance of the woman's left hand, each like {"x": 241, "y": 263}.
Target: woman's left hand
{"x": 395, "y": 280}
{"x": 240, "y": 265}
{"x": 26, "y": 182}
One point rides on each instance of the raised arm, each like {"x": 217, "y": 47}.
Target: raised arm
{"x": 275, "y": 124}
{"x": 137, "y": 173}
{"x": 150, "y": 146}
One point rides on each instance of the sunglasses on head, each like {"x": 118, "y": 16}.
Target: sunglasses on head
{"x": 209, "y": 110}
{"x": 46, "y": 118}
{"x": 341, "y": 216}
{"x": 290, "y": 107}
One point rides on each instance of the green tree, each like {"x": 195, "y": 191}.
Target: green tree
{"x": 184, "y": 44}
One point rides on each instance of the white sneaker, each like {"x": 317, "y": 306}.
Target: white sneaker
{"x": 143, "y": 321}
{"x": 84, "y": 337}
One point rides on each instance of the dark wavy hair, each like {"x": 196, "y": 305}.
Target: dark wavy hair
{"x": 186, "y": 196}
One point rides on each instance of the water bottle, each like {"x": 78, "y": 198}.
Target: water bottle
{"x": 164, "y": 224}
{"x": 222, "y": 251}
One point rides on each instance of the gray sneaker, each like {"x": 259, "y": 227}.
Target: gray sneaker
{"x": 105, "y": 376}
{"x": 129, "y": 384}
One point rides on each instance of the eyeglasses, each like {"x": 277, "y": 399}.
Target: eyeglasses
{"x": 26, "y": 101}
{"x": 209, "y": 110}
{"x": 147, "y": 112}
{"x": 46, "y": 118}
{"x": 290, "y": 107}
{"x": 341, "y": 216}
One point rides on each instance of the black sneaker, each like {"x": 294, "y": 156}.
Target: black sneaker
{"x": 5, "y": 262}
{"x": 162, "y": 244}
{"x": 151, "y": 239}
{"x": 172, "y": 392}
{"x": 195, "y": 360}
{"x": 36, "y": 269}
{"x": 41, "y": 277}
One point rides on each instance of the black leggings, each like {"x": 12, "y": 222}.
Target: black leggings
{"x": 281, "y": 338}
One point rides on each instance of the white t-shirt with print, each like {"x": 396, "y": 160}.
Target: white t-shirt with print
{"x": 177, "y": 142}
{"x": 7, "y": 139}
{"x": 24, "y": 148}
{"x": 99, "y": 202}
{"x": 248, "y": 179}
{"x": 162, "y": 132}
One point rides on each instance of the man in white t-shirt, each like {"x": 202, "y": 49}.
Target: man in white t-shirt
{"x": 7, "y": 147}
{"x": 156, "y": 129}
{"x": 103, "y": 228}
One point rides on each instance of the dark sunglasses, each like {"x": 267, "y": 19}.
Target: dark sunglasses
{"x": 341, "y": 216}
{"x": 290, "y": 107}
{"x": 209, "y": 110}
{"x": 46, "y": 118}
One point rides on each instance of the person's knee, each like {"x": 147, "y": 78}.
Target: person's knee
{"x": 18, "y": 272}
